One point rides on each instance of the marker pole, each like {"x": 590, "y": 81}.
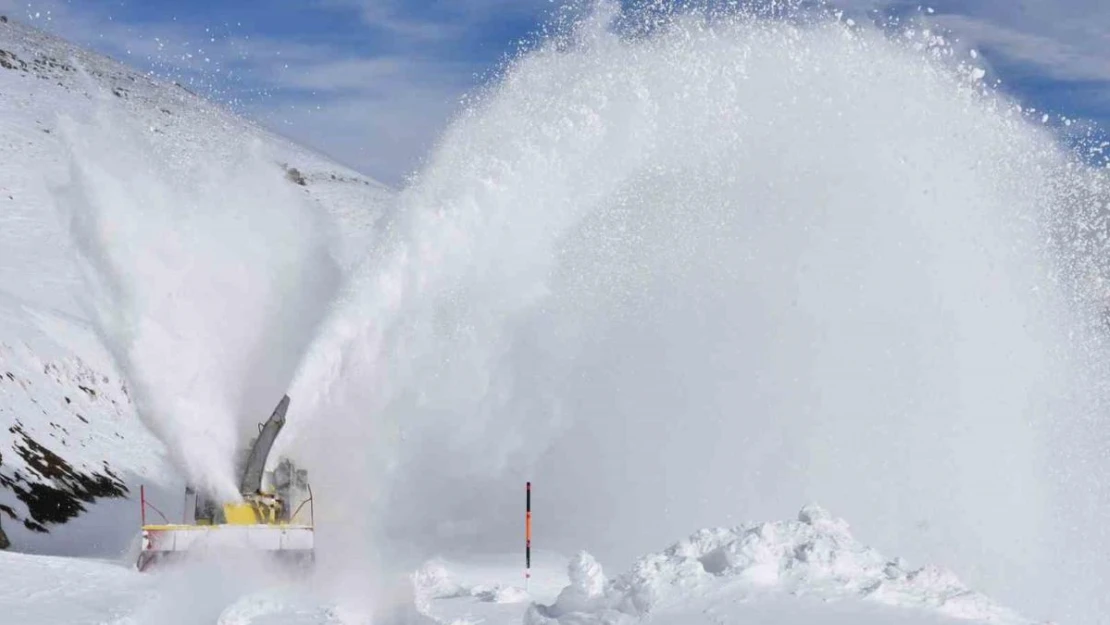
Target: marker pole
{"x": 142, "y": 504}
{"x": 527, "y": 534}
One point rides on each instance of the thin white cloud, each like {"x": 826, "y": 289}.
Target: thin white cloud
{"x": 387, "y": 16}
{"x": 1061, "y": 49}
{"x": 379, "y": 115}
{"x": 1066, "y": 40}
{"x": 441, "y": 20}
{"x": 386, "y": 136}
{"x": 1052, "y": 54}
{"x": 369, "y": 74}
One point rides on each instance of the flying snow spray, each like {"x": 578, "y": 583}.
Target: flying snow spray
{"x": 723, "y": 265}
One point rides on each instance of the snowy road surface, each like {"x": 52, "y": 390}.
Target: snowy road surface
{"x": 808, "y": 570}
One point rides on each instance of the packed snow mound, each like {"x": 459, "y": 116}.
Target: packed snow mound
{"x": 433, "y": 581}
{"x": 815, "y": 556}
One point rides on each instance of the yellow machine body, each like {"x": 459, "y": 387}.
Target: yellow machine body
{"x": 251, "y": 512}
{"x": 267, "y": 519}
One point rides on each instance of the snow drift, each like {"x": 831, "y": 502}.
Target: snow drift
{"x": 815, "y": 556}
{"x": 708, "y": 269}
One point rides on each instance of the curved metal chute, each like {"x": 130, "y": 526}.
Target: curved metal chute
{"x": 256, "y": 461}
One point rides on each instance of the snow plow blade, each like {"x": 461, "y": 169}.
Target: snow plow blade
{"x": 290, "y": 545}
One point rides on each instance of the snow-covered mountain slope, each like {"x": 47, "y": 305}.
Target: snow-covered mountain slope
{"x": 69, "y": 434}
{"x": 810, "y": 570}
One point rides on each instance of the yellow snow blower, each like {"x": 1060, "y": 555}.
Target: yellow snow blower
{"x": 277, "y": 520}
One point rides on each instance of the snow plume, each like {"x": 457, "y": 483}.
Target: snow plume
{"x": 207, "y": 276}
{"x": 705, "y": 270}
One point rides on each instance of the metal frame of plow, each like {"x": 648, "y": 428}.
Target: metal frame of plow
{"x": 286, "y": 543}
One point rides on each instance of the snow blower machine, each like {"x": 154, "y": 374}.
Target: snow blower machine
{"x": 275, "y": 518}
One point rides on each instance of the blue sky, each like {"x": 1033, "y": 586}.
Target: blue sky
{"x": 373, "y": 82}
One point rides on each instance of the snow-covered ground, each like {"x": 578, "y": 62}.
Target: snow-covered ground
{"x": 798, "y": 572}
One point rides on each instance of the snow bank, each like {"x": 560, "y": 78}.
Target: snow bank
{"x": 814, "y": 556}
{"x": 40, "y": 590}
{"x": 432, "y": 581}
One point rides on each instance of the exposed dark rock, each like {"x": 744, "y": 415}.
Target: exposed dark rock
{"x": 44, "y": 63}
{"x": 4, "y": 542}
{"x": 8, "y": 60}
{"x": 60, "y": 492}
{"x": 295, "y": 176}
{"x": 184, "y": 88}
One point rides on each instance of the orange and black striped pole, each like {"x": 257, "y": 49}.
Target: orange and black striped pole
{"x": 527, "y": 533}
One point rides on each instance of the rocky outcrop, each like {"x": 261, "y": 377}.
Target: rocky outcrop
{"x": 55, "y": 492}
{"x": 60, "y": 423}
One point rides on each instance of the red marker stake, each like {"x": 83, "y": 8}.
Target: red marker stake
{"x": 527, "y": 534}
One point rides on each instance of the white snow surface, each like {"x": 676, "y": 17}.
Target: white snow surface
{"x": 809, "y": 570}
